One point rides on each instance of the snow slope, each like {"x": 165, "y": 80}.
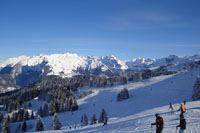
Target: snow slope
{"x": 136, "y": 113}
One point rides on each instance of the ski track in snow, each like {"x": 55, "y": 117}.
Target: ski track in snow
{"x": 135, "y": 114}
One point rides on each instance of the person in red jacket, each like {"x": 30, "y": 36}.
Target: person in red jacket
{"x": 159, "y": 123}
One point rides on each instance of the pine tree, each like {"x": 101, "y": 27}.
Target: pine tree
{"x": 147, "y": 74}
{"x": 57, "y": 103}
{"x": 19, "y": 117}
{"x": 75, "y": 105}
{"x": 91, "y": 83}
{"x": 94, "y": 119}
{"x": 52, "y": 108}
{"x": 67, "y": 105}
{"x": 14, "y": 117}
{"x": 137, "y": 77}
{"x": 34, "y": 93}
{"x": 8, "y": 118}
{"x": 39, "y": 124}
{"x": 70, "y": 102}
{"x": 6, "y": 125}
{"x": 1, "y": 117}
{"x": 26, "y": 115}
{"x": 24, "y": 127}
{"x": 61, "y": 105}
{"x": 11, "y": 107}
{"x": 24, "y": 105}
{"x": 125, "y": 93}
{"x": 40, "y": 111}
{"x": 119, "y": 97}
{"x": 45, "y": 110}
{"x": 123, "y": 80}
{"x": 18, "y": 105}
{"x": 84, "y": 120}
{"x": 29, "y": 104}
{"x": 32, "y": 115}
{"x": 56, "y": 125}
{"x": 103, "y": 116}
{"x": 196, "y": 88}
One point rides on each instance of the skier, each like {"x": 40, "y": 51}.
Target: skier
{"x": 159, "y": 123}
{"x": 171, "y": 107}
{"x": 105, "y": 121}
{"x": 182, "y": 124}
{"x": 75, "y": 126}
{"x": 184, "y": 102}
{"x": 182, "y": 108}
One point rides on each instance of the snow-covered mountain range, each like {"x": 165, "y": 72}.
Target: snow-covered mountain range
{"x": 67, "y": 64}
{"x": 30, "y": 69}
{"x": 135, "y": 114}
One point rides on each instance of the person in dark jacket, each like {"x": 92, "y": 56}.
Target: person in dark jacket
{"x": 159, "y": 123}
{"x": 105, "y": 121}
{"x": 182, "y": 124}
{"x": 184, "y": 102}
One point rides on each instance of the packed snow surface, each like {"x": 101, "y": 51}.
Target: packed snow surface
{"x": 135, "y": 114}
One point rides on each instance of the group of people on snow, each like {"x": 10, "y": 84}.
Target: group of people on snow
{"x": 160, "y": 122}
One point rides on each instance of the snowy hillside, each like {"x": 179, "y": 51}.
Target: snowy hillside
{"x": 136, "y": 113}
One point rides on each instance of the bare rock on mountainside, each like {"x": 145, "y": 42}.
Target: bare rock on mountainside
{"x": 7, "y": 83}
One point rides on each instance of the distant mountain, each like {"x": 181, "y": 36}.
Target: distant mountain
{"x": 25, "y": 69}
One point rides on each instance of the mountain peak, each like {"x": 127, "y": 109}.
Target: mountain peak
{"x": 172, "y": 56}
{"x": 68, "y": 63}
{"x": 41, "y": 54}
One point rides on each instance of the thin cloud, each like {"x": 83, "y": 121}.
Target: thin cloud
{"x": 40, "y": 41}
{"x": 185, "y": 45}
{"x": 171, "y": 45}
{"x": 144, "y": 21}
{"x": 155, "y": 17}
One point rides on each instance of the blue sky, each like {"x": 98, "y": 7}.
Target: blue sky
{"x": 124, "y": 28}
